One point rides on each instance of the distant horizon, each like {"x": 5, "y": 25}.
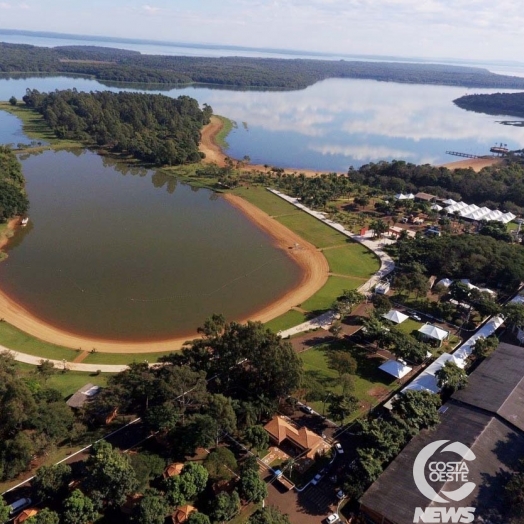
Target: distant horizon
{"x": 231, "y": 47}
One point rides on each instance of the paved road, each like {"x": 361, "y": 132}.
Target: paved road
{"x": 59, "y": 364}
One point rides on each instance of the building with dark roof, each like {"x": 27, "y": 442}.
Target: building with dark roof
{"x": 83, "y": 395}
{"x": 487, "y": 418}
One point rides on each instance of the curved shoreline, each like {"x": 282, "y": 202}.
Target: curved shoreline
{"x": 314, "y": 273}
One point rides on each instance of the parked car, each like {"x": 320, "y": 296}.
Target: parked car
{"x": 19, "y": 505}
{"x": 316, "y": 479}
{"x": 307, "y": 409}
{"x": 332, "y": 518}
{"x": 416, "y": 317}
{"x": 338, "y": 447}
{"x": 340, "y": 494}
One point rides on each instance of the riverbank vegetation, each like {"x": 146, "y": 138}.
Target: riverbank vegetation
{"x": 117, "y": 65}
{"x": 507, "y": 104}
{"x": 152, "y": 128}
{"x": 13, "y": 200}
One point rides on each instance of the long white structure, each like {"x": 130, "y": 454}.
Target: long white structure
{"x": 474, "y": 212}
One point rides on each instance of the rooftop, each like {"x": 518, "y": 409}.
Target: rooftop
{"x": 84, "y": 394}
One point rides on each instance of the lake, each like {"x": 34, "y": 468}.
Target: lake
{"x": 128, "y": 254}
{"x": 335, "y": 123}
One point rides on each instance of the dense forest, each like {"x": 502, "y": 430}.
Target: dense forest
{"x": 114, "y": 65}
{"x": 496, "y": 186}
{"x": 13, "y": 200}
{"x": 510, "y": 104}
{"x": 153, "y": 128}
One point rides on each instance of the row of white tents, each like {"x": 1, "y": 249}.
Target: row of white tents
{"x": 474, "y": 212}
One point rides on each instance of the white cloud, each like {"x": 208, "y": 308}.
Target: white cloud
{"x": 363, "y": 153}
{"x": 151, "y": 9}
{"x": 5, "y": 5}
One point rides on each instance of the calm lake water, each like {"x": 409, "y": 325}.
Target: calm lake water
{"x": 134, "y": 254}
{"x": 336, "y": 123}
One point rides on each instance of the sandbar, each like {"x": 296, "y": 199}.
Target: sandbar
{"x": 475, "y": 163}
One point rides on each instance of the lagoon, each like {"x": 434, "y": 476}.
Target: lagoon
{"x": 120, "y": 253}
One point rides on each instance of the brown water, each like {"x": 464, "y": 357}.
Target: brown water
{"x": 127, "y": 254}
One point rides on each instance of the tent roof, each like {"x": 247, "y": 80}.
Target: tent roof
{"x": 395, "y": 368}
{"x": 433, "y": 332}
{"x": 445, "y": 282}
{"x": 395, "y": 316}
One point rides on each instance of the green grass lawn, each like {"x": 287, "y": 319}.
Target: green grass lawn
{"x": 324, "y": 298}
{"x": 265, "y": 200}
{"x": 286, "y": 321}
{"x": 123, "y": 358}
{"x": 370, "y": 382}
{"x": 69, "y": 382}
{"x": 408, "y": 326}
{"x": 313, "y": 230}
{"x": 17, "y": 340}
{"x": 352, "y": 259}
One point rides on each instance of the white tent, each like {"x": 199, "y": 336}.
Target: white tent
{"x": 395, "y": 368}
{"x": 402, "y": 196}
{"x": 424, "y": 382}
{"x": 436, "y": 207}
{"x": 449, "y": 202}
{"x": 431, "y": 331}
{"x": 395, "y": 316}
{"x": 446, "y": 282}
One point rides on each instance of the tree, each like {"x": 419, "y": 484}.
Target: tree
{"x": 379, "y": 227}
{"x": 152, "y": 509}
{"x": 79, "y": 509}
{"x": 225, "y": 506}
{"x": 147, "y": 467}
{"x": 347, "y": 301}
{"x": 459, "y": 291}
{"x": 51, "y": 482}
{"x": 268, "y": 515}
{"x": 194, "y": 479}
{"x": 342, "y": 362}
{"x": 256, "y": 437}
{"x": 382, "y": 304}
{"x": 46, "y": 369}
{"x": 341, "y": 406}
{"x": 46, "y": 516}
{"x": 347, "y": 382}
{"x": 513, "y": 313}
{"x": 450, "y": 377}
{"x": 252, "y": 487}
{"x": 198, "y": 518}
{"x": 4, "y": 510}
{"x": 13, "y": 101}
{"x": 221, "y": 464}
{"x": 418, "y": 409}
{"x": 336, "y": 329}
{"x": 221, "y": 411}
{"x": 110, "y": 473}
{"x": 483, "y": 347}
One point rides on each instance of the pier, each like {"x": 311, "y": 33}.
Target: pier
{"x": 465, "y": 155}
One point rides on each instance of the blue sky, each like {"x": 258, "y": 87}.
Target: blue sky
{"x": 470, "y": 29}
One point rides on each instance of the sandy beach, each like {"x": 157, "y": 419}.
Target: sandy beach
{"x": 314, "y": 274}
{"x": 475, "y": 163}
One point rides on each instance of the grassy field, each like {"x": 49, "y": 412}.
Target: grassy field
{"x": 370, "y": 383}
{"x": 408, "y": 326}
{"x": 352, "y": 259}
{"x": 324, "y": 298}
{"x": 33, "y": 124}
{"x": 313, "y": 230}
{"x": 286, "y": 321}
{"x": 123, "y": 358}
{"x": 71, "y": 381}
{"x": 17, "y": 340}
{"x": 268, "y": 202}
